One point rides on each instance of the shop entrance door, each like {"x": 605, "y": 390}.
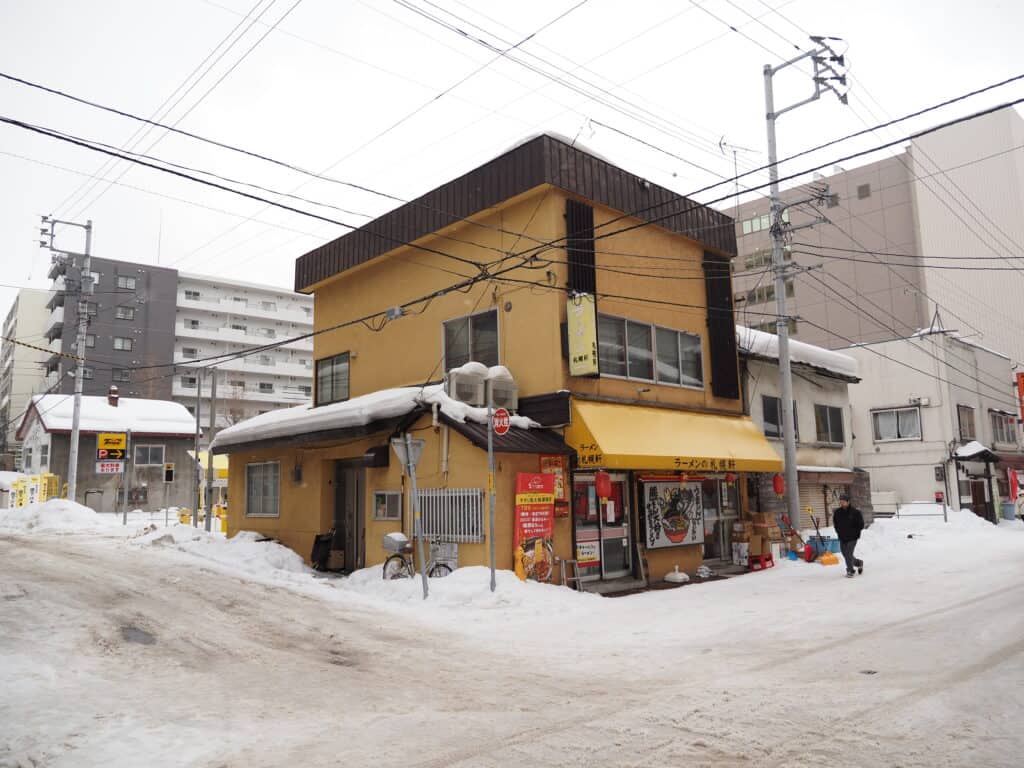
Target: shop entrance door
{"x": 720, "y": 512}
{"x": 349, "y": 487}
{"x": 603, "y": 541}
{"x": 979, "y": 503}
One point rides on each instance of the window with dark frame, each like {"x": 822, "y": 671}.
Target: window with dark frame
{"x": 965, "y": 418}
{"x": 127, "y": 283}
{"x": 771, "y": 410}
{"x": 192, "y": 295}
{"x": 473, "y": 337}
{"x": 262, "y": 489}
{"x": 828, "y": 422}
{"x": 1004, "y": 427}
{"x": 121, "y": 375}
{"x": 646, "y": 352}
{"x": 124, "y": 313}
{"x": 123, "y": 343}
{"x": 148, "y": 455}
{"x": 332, "y": 379}
{"x": 387, "y": 505}
{"x": 896, "y": 424}
{"x": 863, "y": 191}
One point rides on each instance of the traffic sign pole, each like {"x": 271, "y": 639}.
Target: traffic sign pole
{"x": 490, "y": 478}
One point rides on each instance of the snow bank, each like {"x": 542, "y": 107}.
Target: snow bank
{"x": 467, "y": 588}
{"x": 243, "y": 551}
{"x": 53, "y": 516}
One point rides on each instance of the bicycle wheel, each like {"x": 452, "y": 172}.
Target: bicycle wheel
{"x": 397, "y": 567}
{"x": 539, "y": 568}
{"x": 440, "y": 570}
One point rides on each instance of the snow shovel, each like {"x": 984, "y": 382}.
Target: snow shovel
{"x": 826, "y": 557}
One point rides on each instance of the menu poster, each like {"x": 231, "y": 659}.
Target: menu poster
{"x": 535, "y": 506}
{"x": 557, "y": 466}
{"x": 674, "y": 514}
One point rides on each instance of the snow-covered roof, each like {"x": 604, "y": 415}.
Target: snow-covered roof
{"x": 811, "y": 468}
{"x": 6, "y": 478}
{"x": 765, "y": 344}
{"x": 357, "y": 412}
{"x": 142, "y": 417}
{"x": 970, "y": 450}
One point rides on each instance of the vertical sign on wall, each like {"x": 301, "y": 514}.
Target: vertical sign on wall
{"x": 1020, "y": 393}
{"x": 581, "y": 312}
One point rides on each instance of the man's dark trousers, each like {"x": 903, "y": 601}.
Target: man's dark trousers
{"x": 851, "y": 561}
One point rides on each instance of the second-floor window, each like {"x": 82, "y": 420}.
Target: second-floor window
{"x": 474, "y": 337}
{"x": 828, "y": 422}
{"x": 771, "y": 412}
{"x": 965, "y": 417}
{"x": 126, "y": 282}
{"x": 87, "y": 372}
{"x": 191, "y": 323}
{"x": 188, "y": 382}
{"x": 648, "y": 352}
{"x": 896, "y": 424}
{"x": 1004, "y": 427}
{"x": 332, "y": 377}
{"x": 266, "y": 387}
{"x": 192, "y": 295}
{"x": 125, "y": 313}
{"x": 189, "y": 353}
{"x": 121, "y": 376}
{"x": 90, "y": 340}
{"x": 149, "y": 455}
{"x": 91, "y": 309}
{"x": 123, "y": 343}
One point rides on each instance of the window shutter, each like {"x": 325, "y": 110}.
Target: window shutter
{"x": 725, "y": 379}
{"x": 579, "y": 241}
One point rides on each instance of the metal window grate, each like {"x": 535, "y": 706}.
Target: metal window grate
{"x": 452, "y": 514}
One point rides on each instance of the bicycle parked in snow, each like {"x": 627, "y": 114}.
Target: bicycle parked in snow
{"x": 399, "y": 564}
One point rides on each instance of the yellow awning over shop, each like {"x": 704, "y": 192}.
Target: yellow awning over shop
{"x": 614, "y": 436}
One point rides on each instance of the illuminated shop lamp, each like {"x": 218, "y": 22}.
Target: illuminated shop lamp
{"x": 730, "y": 477}
{"x": 603, "y": 484}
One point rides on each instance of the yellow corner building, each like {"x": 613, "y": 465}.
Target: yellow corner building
{"x": 600, "y": 306}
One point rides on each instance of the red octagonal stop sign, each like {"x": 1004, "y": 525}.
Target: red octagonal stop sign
{"x": 502, "y": 421}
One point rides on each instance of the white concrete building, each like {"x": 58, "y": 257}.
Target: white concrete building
{"x": 907, "y": 235}
{"x": 21, "y": 368}
{"x": 821, "y": 393}
{"x": 922, "y": 399}
{"x": 215, "y": 316}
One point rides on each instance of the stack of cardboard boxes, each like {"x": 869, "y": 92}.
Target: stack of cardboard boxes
{"x": 754, "y": 537}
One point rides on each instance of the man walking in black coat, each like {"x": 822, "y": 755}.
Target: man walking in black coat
{"x": 848, "y": 522}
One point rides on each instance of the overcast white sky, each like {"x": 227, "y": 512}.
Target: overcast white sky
{"x": 320, "y": 88}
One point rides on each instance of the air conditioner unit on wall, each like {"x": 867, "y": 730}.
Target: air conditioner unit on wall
{"x": 504, "y": 394}
{"x": 466, "y": 387}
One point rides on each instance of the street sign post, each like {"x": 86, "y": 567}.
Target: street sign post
{"x": 502, "y": 421}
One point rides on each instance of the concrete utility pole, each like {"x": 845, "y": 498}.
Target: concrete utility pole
{"x": 828, "y": 72}
{"x": 197, "y": 475}
{"x": 48, "y": 230}
{"x": 209, "y": 453}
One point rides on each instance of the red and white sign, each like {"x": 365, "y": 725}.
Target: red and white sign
{"x": 109, "y": 467}
{"x": 502, "y": 421}
{"x": 535, "y": 506}
{"x": 1020, "y": 393}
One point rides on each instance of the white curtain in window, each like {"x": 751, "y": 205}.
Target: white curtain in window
{"x": 910, "y": 423}
{"x": 886, "y": 425}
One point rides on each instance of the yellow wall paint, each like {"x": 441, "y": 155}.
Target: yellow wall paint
{"x": 409, "y": 350}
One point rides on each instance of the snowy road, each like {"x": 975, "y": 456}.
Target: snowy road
{"x": 113, "y": 655}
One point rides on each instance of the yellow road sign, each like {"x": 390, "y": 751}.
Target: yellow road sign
{"x": 111, "y": 441}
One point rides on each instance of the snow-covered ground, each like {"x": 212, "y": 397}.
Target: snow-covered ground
{"x": 175, "y": 647}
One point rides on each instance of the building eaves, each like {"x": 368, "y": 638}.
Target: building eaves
{"x": 542, "y": 160}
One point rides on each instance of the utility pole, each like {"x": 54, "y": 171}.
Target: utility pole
{"x": 490, "y": 479}
{"x": 828, "y": 72}
{"x": 48, "y": 230}
{"x": 209, "y": 453}
{"x": 197, "y": 477}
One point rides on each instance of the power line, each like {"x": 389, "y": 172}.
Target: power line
{"x": 136, "y": 138}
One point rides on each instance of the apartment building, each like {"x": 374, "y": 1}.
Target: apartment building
{"x": 21, "y": 367}
{"x": 141, "y": 317}
{"x": 899, "y": 233}
{"x": 130, "y": 328}
{"x": 214, "y": 316}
